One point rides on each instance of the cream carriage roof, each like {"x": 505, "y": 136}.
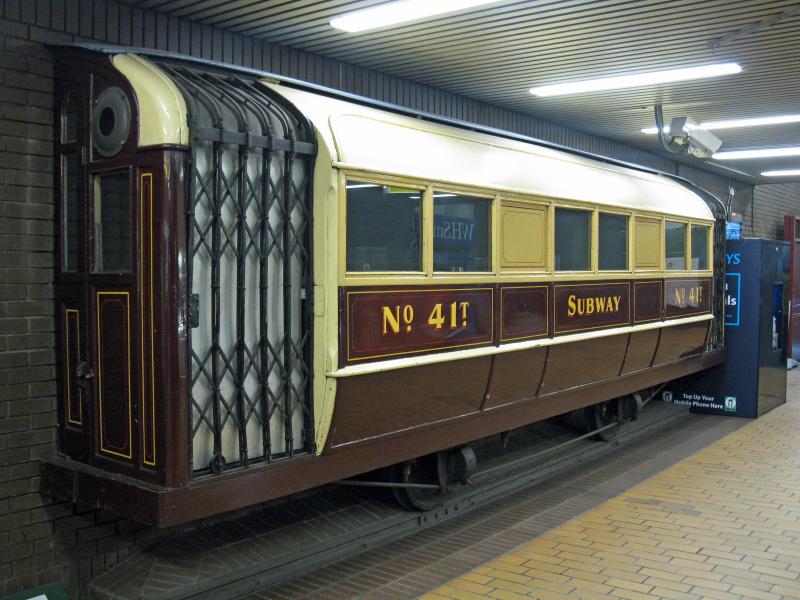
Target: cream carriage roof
{"x": 381, "y": 141}
{"x": 366, "y": 138}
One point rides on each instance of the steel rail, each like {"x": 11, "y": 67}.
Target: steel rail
{"x": 235, "y": 584}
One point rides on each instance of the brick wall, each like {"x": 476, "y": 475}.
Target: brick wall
{"x": 763, "y": 217}
{"x": 41, "y": 540}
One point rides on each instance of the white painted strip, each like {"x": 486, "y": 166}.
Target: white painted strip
{"x": 415, "y": 361}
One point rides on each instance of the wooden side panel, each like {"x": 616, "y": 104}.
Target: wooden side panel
{"x": 580, "y": 363}
{"x": 641, "y": 349}
{"x": 515, "y": 376}
{"x": 523, "y": 312}
{"x": 579, "y": 307}
{"x": 114, "y": 391}
{"x": 388, "y": 323}
{"x": 523, "y": 236}
{"x": 647, "y": 301}
{"x": 647, "y": 244}
{"x": 381, "y": 403}
{"x": 686, "y": 297}
{"x": 681, "y": 341}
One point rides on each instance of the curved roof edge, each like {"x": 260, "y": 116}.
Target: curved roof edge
{"x": 714, "y": 204}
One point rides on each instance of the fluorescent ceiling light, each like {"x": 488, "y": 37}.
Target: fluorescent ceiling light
{"x": 355, "y": 186}
{"x": 397, "y": 13}
{"x": 759, "y": 153}
{"x": 641, "y": 79}
{"x": 733, "y": 123}
{"x": 783, "y": 173}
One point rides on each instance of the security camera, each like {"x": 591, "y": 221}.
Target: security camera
{"x": 698, "y": 141}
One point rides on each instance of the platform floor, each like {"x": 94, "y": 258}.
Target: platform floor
{"x": 723, "y": 523}
{"x": 437, "y": 558}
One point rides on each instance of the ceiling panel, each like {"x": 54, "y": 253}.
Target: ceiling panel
{"x": 497, "y": 52}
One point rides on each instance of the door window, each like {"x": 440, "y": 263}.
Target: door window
{"x": 70, "y": 212}
{"x": 112, "y": 223}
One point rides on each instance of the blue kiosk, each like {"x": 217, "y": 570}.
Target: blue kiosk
{"x": 753, "y": 380}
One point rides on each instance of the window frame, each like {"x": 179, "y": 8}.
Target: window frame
{"x": 628, "y": 241}
{"x": 549, "y": 204}
{"x": 709, "y": 227}
{"x": 686, "y": 244}
{"x": 592, "y": 211}
{"x": 94, "y": 174}
{"x": 399, "y": 182}
{"x": 494, "y": 202}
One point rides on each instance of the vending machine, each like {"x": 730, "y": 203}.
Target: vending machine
{"x": 753, "y": 379}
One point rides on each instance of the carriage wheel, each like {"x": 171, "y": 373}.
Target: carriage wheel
{"x": 600, "y": 415}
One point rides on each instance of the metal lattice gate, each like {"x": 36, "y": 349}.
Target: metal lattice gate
{"x": 248, "y": 271}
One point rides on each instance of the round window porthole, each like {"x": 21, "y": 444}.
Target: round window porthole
{"x": 111, "y": 121}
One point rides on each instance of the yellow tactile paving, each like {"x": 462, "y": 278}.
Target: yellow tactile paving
{"x": 724, "y": 524}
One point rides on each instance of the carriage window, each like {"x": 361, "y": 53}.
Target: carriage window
{"x": 383, "y": 228}
{"x": 613, "y": 242}
{"x": 70, "y": 225}
{"x": 573, "y": 234}
{"x": 112, "y": 223}
{"x": 69, "y": 119}
{"x": 700, "y": 247}
{"x": 461, "y": 233}
{"x": 675, "y": 246}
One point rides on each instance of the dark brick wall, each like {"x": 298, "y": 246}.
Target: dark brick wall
{"x": 40, "y": 540}
{"x": 763, "y": 217}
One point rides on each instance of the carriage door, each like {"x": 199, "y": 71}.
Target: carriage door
{"x": 75, "y": 416}
{"x": 95, "y": 294}
{"x": 111, "y": 296}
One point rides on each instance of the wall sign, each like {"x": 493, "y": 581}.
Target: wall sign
{"x": 733, "y": 290}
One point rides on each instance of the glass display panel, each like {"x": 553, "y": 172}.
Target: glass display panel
{"x": 613, "y": 242}
{"x": 461, "y": 239}
{"x": 675, "y": 246}
{"x": 112, "y": 223}
{"x": 70, "y": 212}
{"x": 383, "y": 228}
{"x": 573, "y": 235}
{"x": 700, "y": 247}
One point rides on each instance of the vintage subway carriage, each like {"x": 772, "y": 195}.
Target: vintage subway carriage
{"x": 264, "y": 286}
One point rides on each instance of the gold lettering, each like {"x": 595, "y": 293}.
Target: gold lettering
{"x": 436, "y": 318}
{"x": 594, "y": 304}
{"x": 463, "y": 306}
{"x": 408, "y": 316}
{"x": 392, "y": 319}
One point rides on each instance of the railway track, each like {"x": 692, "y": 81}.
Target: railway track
{"x": 531, "y": 456}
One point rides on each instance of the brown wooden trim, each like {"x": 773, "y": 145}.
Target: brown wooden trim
{"x": 72, "y": 356}
{"x": 516, "y": 312}
{"x": 173, "y": 506}
{"x": 146, "y": 325}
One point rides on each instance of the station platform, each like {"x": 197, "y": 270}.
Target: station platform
{"x": 709, "y": 508}
{"x": 723, "y": 523}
